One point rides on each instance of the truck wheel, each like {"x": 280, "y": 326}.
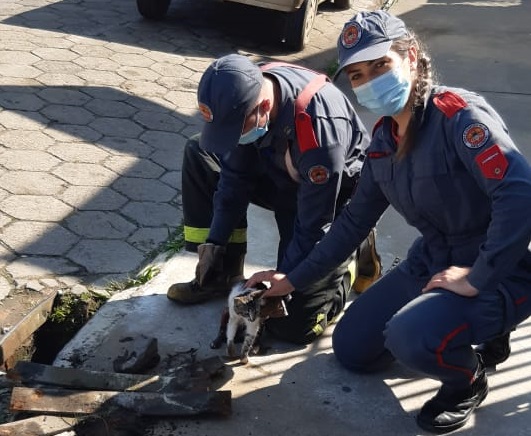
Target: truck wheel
{"x": 153, "y": 9}
{"x": 343, "y": 4}
{"x": 299, "y": 25}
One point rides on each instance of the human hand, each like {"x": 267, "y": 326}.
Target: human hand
{"x": 453, "y": 279}
{"x": 280, "y": 285}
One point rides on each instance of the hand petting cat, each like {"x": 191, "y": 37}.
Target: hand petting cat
{"x": 280, "y": 285}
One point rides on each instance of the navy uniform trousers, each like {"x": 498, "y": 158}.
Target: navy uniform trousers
{"x": 431, "y": 333}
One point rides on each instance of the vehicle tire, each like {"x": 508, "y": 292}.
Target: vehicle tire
{"x": 153, "y": 9}
{"x": 343, "y": 4}
{"x": 299, "y": 25}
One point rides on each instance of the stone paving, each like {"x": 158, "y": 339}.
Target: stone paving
{"x": 96, "y": 105}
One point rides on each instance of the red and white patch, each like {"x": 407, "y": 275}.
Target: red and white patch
{"x": 206, "y": 112}
{"x": 318, "y": 174}
{"x": 351, "y": 35}
{"x": 476, "y": 135}
{"x": 492, "y": 163}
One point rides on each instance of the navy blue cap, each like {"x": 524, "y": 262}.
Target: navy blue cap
{"x": 228, "y": 91}
{"x": 368, "y": 36}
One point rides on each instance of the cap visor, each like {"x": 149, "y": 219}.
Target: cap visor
{"x": 220, "y": 138}
{"x": 367, "y": 54}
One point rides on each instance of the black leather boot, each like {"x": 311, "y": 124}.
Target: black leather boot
{"x": 495, "y": 351}
{"x": 451, "y": 408}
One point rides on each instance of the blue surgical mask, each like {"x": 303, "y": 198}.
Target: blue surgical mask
{"x": 385, "y": 95}
{"x": 255, "y": 133}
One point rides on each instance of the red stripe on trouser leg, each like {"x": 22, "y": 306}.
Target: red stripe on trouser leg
{"x": 521, "y": 300}
{"x": 444, "y": 343}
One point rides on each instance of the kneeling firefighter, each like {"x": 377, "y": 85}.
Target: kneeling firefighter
{"x": 284, "y": 138}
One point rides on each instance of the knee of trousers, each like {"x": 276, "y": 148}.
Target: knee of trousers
{"x": 358, "y": 350}
{"x": 407, "y": 342}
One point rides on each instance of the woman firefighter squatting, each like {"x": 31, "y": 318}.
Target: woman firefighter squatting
{"x": 443, "y": 158}
{"x": 252, "y": 149}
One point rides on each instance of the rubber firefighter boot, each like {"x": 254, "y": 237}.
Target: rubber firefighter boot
{"x": 218, "y": 269}
{"x": 369, "y": 264}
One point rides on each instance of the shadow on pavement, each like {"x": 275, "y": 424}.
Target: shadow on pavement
{"x": 212, "y": 24}
{"x": 123, "y": 184}
{"x": 117, "y": 155}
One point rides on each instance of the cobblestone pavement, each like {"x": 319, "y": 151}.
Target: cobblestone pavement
{"x": 96, "y": 105}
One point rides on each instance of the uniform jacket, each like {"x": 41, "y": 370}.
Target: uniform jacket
{"x": 465, "y": 186}
{"x": 305, "y": 183}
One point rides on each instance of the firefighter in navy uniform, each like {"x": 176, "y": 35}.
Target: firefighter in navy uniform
{"x": 252, "y": 150}
{"x": 443, "y": 158}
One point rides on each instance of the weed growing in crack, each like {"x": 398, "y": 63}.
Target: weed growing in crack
{"x": 141, "y": 278}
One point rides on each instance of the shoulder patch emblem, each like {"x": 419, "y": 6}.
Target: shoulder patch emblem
{"x": 476, "y": 135}
{"x": 449, "y": 103}
{"x": 492, "y": 163}
{"x": 206, "y": 112}
{"x": 318, "y": 174}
